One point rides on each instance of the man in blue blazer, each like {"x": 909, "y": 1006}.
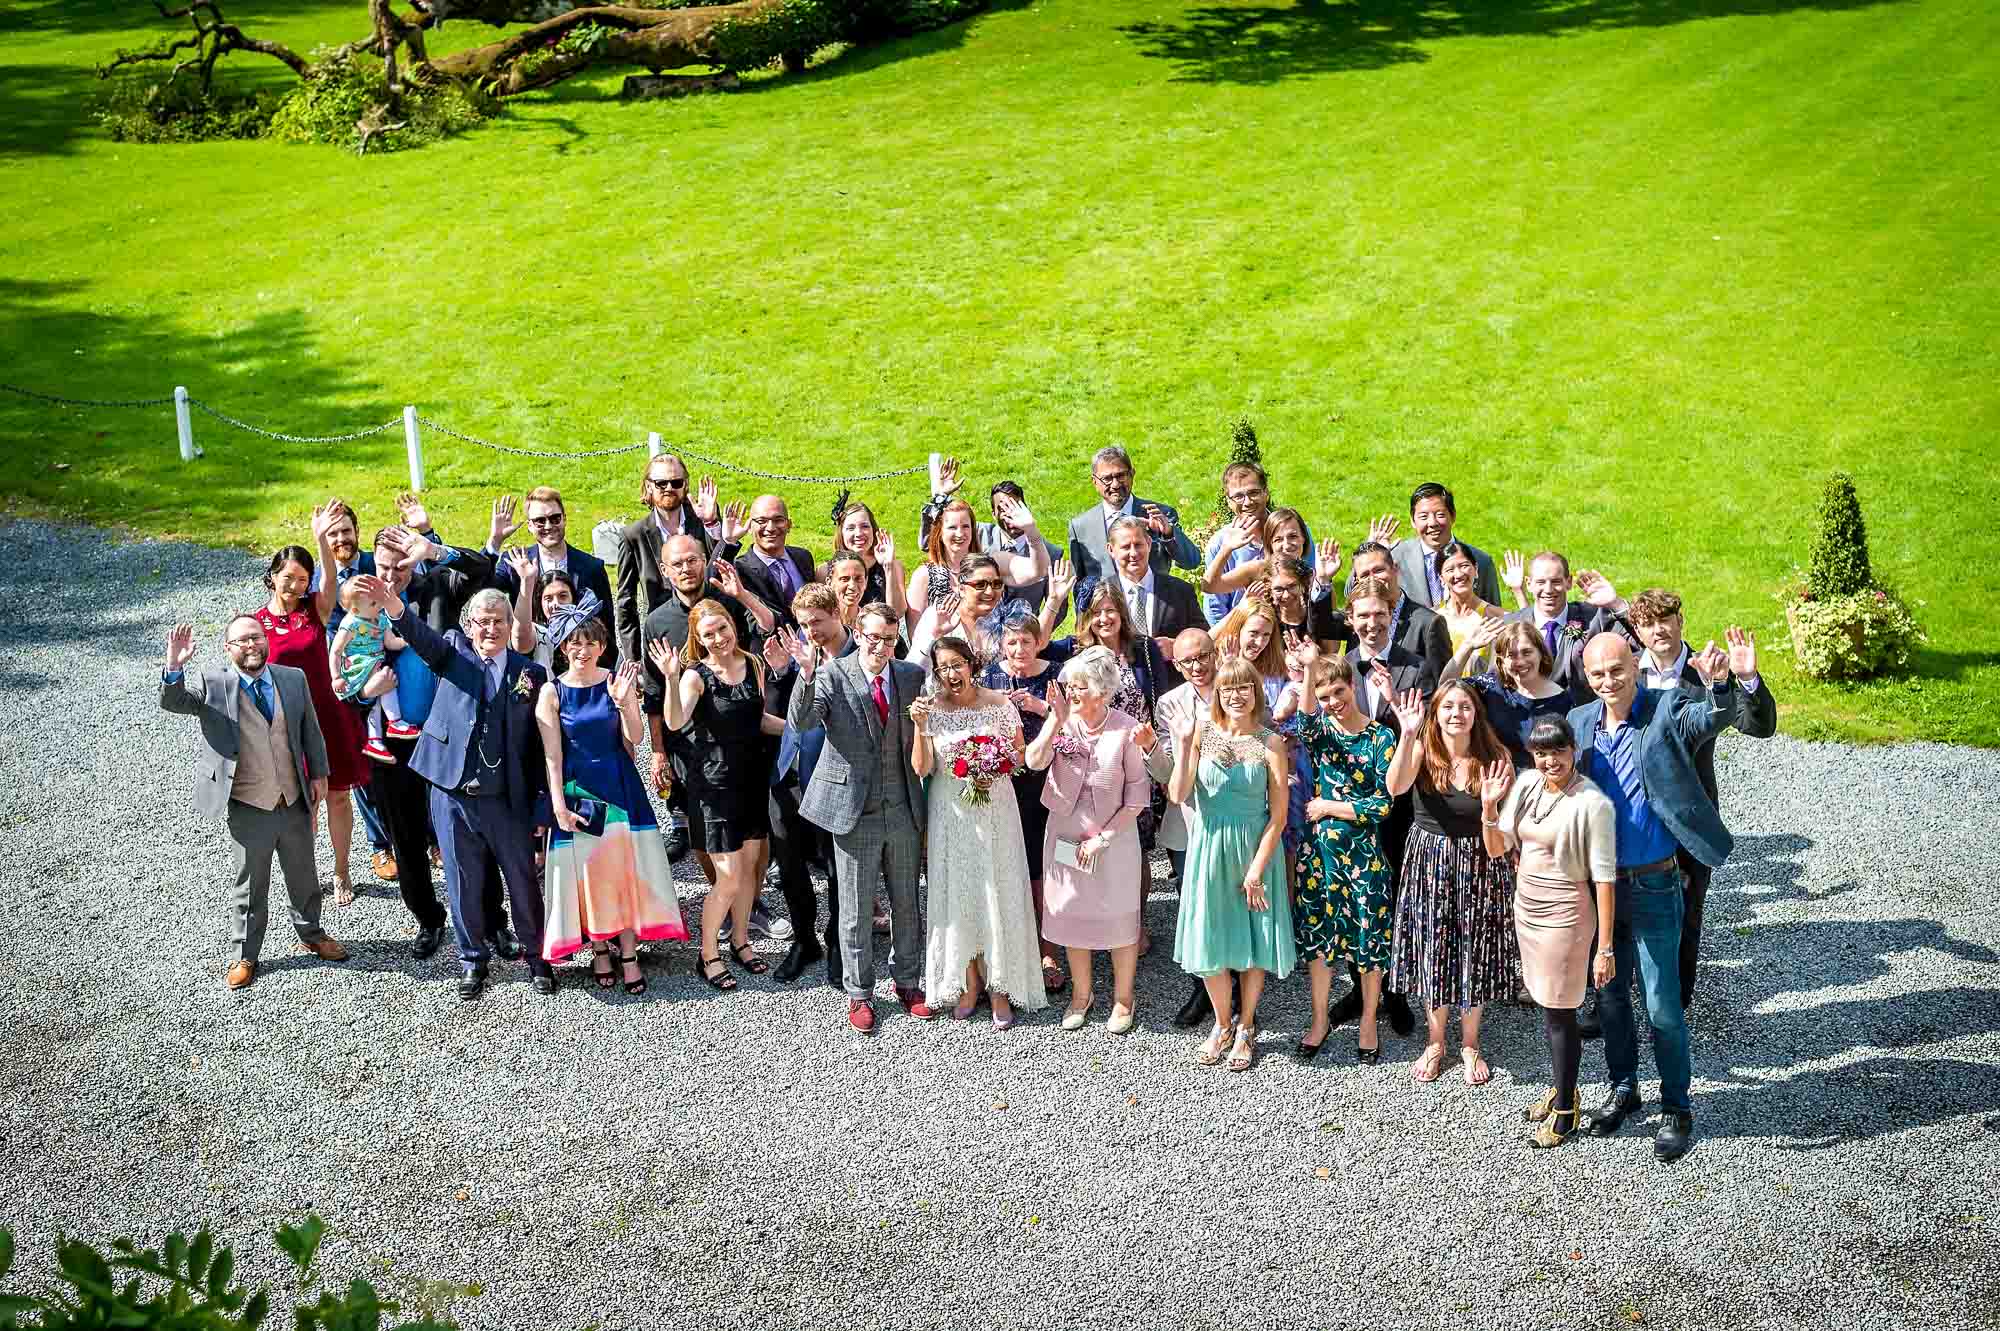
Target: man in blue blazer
{"x": 482, "y": 755}
{"x": 548, "y": 523}
{"x": 795, "y": 841}
{"x": 1638, "y": 745}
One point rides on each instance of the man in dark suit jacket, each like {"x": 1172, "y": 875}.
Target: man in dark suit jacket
{"x": 1638, "y": 746}
{"x": 482, "y": 754}
{"x": 1160, "y": 605}
{"x": 548, "y": 523}
{"x": 670, "y": 511}
{"x": 1419, "y": 631}
{"x": 1112, "y": 473}
{"x": 1668, "y": 664}
{"x": 262, "y": 767}
{"x": 770, "y": 569}
{"x": 1566, "y": 625}
{"x": 796, "y": 842}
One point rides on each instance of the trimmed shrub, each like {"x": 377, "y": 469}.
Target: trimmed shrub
{"x": 148, "y": 108}
{"x": 1844, "y": 624}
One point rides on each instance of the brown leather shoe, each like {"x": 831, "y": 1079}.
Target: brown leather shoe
{"x": 241, "y": 974}
{"x": 327, "y": 950}
{"x": 384, "y": 865}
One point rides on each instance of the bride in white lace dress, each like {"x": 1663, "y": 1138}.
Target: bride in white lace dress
{"x": 982, "y": 918}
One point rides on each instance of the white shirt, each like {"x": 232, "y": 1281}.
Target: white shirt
{"x": 1364, "y": 692}
{"x": 687, "y": 525}
{"x": 1668, "y": 677}
{"x": 1143, "y": 617}
{"x": 1112, "y": 515}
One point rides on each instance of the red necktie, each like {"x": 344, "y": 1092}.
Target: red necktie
{"x": 881, "y": 702}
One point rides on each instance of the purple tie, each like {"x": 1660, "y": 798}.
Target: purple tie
{"x": 1549, "y": 636}
{"x": 782, "y": 570}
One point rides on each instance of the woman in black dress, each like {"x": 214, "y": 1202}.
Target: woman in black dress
{"x": 1023, "y": 675}
{"x": 719, "y": 701}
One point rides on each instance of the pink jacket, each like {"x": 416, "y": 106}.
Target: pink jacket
{"x": 1114, "y": 779}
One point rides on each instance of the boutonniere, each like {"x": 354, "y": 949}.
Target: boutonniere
{"x": 1573, "y": 631}
{"x": 524, "y": 688}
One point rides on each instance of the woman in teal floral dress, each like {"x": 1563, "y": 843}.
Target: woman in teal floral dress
{"x": 1341, "y": 907}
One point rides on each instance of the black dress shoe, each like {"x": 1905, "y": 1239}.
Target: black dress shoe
{"x": 1197, "y": 1009}
{"x": 471, "y": 981}
{"x": 545, "y": 984}
{"x": 1608, "y": 1117}
{"x": 1401, "y": 1020}
{"x": 1674, "y": 1137}
{"x": 1346, "y": 1008}
{"x": 428, "y": 942}
{"x": 1589, "y": 1022}
{"x": 798, "y": 956}
{"x": 677, "y": 840}
{"x": 505, "y": 946}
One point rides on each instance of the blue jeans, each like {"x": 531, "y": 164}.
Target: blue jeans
{"x": 378, "y": 835}
{"x": 1647, "y": 939}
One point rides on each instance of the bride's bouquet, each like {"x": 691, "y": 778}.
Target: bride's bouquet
{"x": 979, "y": 761}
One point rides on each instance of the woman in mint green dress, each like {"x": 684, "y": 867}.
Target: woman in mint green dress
{"x": 1230, "y": 774}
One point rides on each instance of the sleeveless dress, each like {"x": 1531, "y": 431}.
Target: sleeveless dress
{"x": 1455, "y": 943}
{"x": 978, "y": 900}
{"x": 299, "y": 640}
{"x": 1216, "y": 930}
{"x": 729, "y": 777}
{"x": 1344, "y": 909}
{"x": 617, "y": 877}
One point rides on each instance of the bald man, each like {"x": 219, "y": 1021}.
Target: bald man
{"x": 772, "y": 570}
{"x": 1639, "y": 746}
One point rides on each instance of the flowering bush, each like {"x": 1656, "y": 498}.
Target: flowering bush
{"x": 978, "y": 761}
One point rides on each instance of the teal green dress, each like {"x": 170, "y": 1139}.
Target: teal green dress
{"x": 1226, "y": 815}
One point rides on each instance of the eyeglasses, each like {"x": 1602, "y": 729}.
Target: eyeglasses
{"x": 877, "y": 639}
{"x": 1245, "y": 496}
{"x": 1204, "y": 658}
{"x": 546, "y": 520}
{"x": 770, "y": 522}
{"x": 1113, "y": 478}
{"x": 982, "y": 584}
{"x": 667, "y": 482}
{"x": 1237, "y": 691}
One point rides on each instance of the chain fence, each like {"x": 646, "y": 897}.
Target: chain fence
{"x": 181, "y": 400}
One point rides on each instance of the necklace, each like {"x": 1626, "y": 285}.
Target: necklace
{"x": 1536, "y": 810}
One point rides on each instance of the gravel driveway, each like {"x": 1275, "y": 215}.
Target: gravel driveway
{"x": 697, "y": 1160}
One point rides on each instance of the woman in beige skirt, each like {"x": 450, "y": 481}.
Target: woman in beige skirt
{"x": 1566, "y": 833}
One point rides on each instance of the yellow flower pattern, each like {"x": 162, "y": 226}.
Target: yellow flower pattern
{"x": 1343, "y": 905}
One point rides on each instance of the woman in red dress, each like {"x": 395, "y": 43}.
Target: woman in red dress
{"x": 295, "y": 622}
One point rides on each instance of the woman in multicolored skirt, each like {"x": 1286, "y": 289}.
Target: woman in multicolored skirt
{"x": 1454, "y": 945}
{"x": 607, "y": 873}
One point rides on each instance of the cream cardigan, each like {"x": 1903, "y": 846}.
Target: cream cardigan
{"x": 1586, "y": 840}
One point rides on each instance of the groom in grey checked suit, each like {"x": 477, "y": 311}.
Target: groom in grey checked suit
{"x": 866, "y": 794}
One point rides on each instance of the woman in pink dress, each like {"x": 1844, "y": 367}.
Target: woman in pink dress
{"x": 294, "y": 619}
{"x": 1093, "y": 872}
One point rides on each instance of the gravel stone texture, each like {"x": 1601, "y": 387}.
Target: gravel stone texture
{"x": 707, "y": 1160}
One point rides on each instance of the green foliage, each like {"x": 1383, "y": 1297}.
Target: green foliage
{"x": 1242, "y": 448}
{"x": 1855, "y": 636}
{"x": 143, "y": 107}
{"x": 797, "y": 27}
{"x": 342, "y": 89}
{"x": 585, "y": 39}
{"x": 1840, "y": 552}
{"x": 879, "y": 20}
{"x": 186, "y": 1285}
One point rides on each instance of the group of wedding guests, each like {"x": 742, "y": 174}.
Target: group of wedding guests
{"x": 1456, "y": 803}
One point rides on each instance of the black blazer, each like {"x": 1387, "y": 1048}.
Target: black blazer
{"x": 639, "y": 587}
{"x": 758, "y": 581}
{"x": 1406, "y": 671}
{"x": 1424, "y": 634}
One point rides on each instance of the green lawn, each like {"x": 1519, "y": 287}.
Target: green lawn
{"x": 1631, "y": 275}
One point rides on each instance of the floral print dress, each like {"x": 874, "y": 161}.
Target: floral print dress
{"x": 1345, "y": 909}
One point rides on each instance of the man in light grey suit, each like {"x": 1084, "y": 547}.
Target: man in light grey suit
{"x": 1419, "y": 558}
{"x": 867, "y": 795}
{"x": 263, "y": 762}
{"x": 1090, "y": 530}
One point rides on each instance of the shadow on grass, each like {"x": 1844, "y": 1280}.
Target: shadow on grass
{"x": 43, "y": 108}
{"x": 1269, "y": 43}
{"x": 114, "y": 465}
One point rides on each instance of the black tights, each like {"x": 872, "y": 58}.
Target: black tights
{"x": 1566, "y": 1049}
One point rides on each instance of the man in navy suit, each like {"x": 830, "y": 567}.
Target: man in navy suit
{"x": 1566, "y": 625}
{"x": 482, "y": 755}
{"x": 770, "y": 569}
{"x": 1668, "y": 664}
{"x": 796, "y": 842}
{"x": 1638, "y": 746}
{"x": 548, "y": 523}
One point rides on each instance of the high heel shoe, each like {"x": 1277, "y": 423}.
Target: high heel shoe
{"x": 1244, "y": 1052}
{"x": 638, "y": 986}
{"x": 1308, "y": 1052}
{"x": 604, "y": 978}
{"x": 1553, "y": 1131}
{"x": 1211, "y": 1051}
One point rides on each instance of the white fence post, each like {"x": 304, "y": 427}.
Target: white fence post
{"x": 937, "y": 463}
{"x": 415, "y": 443}
{"x": 653, "y": 444}
{"x": 184, "y": 425}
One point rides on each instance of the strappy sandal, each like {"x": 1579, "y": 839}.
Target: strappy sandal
{"x": 753, "y": 963}
{"x": 638, "y": 986}
{"x": 1430, "y": 1066}
{"x": 1553, "y": 1131}
{"x": 1542, "y": 1108}
{"x": 343, "y": 890}
{"x": 1211, "y": 1050}
{"x": 724, "y": 982}
{"x": 604, "y": 978}
{"x": 1477, "y": 1073}
{"x": 1244, "y": 1053}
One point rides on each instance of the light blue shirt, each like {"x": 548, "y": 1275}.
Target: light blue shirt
{"x": 1217, "y": 605}
{"x": 1613, "y": 763}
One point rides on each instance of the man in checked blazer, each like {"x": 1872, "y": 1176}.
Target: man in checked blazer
{"x": 864, "y": 791}
{"x": 262, "y": 770}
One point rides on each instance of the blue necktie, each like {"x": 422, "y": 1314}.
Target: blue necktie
{"x": 260, "y": 694}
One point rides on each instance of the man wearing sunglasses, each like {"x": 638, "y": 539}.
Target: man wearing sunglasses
{"x": 548, "y": 524}
{"x": 671, "y": 511}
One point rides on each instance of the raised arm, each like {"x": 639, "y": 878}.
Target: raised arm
{"x": 327, "y": 595}
{"x": 1409, "y": 708}
{"x": 1043, "y": 751}
{"x": 1496, "y": 806}
{"x": 1186, "y": 757}
{"x": 923, "y": 757}
{"x": 527, "y": 573}
{"x": 1483, "y": 635}
{"x": 1020, "y": 570}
